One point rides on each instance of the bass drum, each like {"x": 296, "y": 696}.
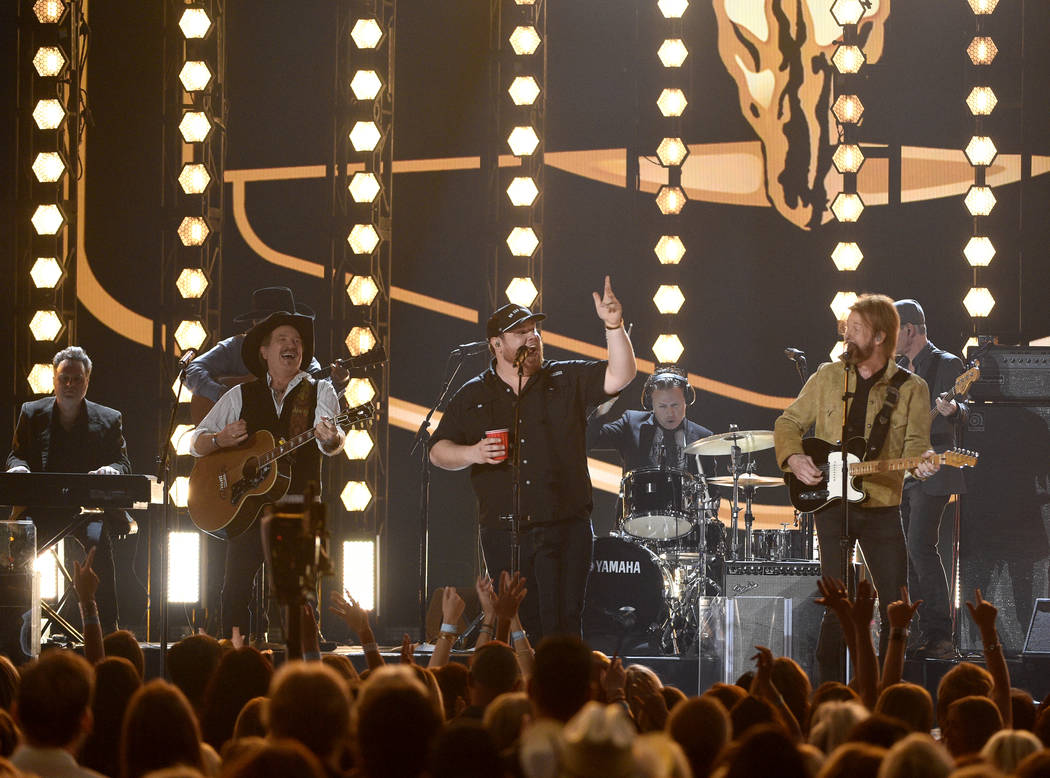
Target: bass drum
{"x": 624, "y": 575}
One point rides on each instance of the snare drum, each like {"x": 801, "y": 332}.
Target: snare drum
{"x": 658, "y": 504}
{"x": 777, "y": 545}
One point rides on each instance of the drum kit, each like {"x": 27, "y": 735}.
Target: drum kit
{"x": 649, "y": 577}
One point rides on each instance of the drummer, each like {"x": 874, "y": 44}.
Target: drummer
{"x": 658, "y": 435}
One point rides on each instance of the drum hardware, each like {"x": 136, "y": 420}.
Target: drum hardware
{"x": 658, "y": 503}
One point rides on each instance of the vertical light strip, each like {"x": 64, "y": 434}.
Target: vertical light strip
{"x": 359, "y": 571}
{"x": 52, "y": 582}
{"x": 848, "y": 158}
{"x": 671, "y": 151}
{"x": 184, "y": 567}
{"x": 980, "y": 152}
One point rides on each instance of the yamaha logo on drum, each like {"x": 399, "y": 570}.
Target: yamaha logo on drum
{"x": 628, "y": 566}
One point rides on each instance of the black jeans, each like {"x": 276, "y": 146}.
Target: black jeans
{"x": 881, "y": 538}
{"x": 556, "y": 560}
{"x": 926, "y": 579}
{"x": 244, "y": 555}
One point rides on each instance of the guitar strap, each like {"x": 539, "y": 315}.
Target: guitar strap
{"x": 301, "y": 417}
{"x": 881, "y": 425}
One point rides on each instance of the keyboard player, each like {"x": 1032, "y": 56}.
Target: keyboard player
{"x": 68, "y": 433}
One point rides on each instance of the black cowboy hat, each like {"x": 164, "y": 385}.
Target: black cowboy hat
{"x": 253, "y": 339}
{"x": 271, "y": 299}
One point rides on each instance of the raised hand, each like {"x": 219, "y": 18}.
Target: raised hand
{"x": 511, "y": 592}
{"x": 452, "y": 606}
{"x": 614, "y": 679}
{"x": 902, "y": 611}
{"x": 833, "y": 597}
{"x": 863, "y": 607}
{"x": 608, "y": 307}
{"x": 762, "y": 683}
{"x": 983, "y": 614}
{"x": 353, "y": 615}
{"x": 85, "y": 579}
{"x": 408, "y": 650}
{"x": 487, "y": 598}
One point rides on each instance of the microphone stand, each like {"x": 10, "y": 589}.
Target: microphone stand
{"x": 422, "y": 441}
{"x": 845, "y": 544}
{"x": 805, "y": 520}
{"x": 515, "y": 518}
{"x": 164, "y": 463}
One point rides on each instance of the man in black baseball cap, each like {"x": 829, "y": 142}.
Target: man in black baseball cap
{"x": 923, "y": 502}
{"x": 551, "y": 399}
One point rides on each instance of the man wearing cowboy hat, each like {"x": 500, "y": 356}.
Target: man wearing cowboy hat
{"x": 284, "y": 401}
{"x": 224, "y": 360}
{"x": 556, "y": 539}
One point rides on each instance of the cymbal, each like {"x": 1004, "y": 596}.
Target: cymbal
{"x": 722, "y": 444}
{"x": 747, "y": 480}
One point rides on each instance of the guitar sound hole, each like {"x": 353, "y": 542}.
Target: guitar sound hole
{"x": 251, "y": 467}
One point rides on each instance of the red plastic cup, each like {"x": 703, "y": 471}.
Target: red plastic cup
{"x": 503, "y": 436}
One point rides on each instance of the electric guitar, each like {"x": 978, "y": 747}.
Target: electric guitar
{"x": 961, "y": 387}
{"x": 229, "y": 488}
{"x": 828, "y": 459}
{"x": 200, "y": 405}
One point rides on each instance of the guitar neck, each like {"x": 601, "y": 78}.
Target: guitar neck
{"x": 287, "y": 447}
{"x": 888, "y": 465}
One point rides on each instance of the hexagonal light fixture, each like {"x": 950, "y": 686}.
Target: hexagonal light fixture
{"x": 979, "y": 302}
{"x": 195, "y": 76}
{"x": 48, "y": 114}
{"x": 360, "y": 340}
{"x": 524, "y": 40}
{"x": 971, "y": 342}
{"x": 672, "y": 9}
{"x": 356, "y": 495}
{"x": 359, "y": 444}
{"x": 194, "y": 179}
{"x": 982, "y": 50}
{"x": 671, "y": 151}
{"x": 836, "y": 351}
{"x": 48, "y": 167}
{"x": 672, "y": 53}
{"x": 359, "y": 391}
{"x": 181, "y": 391}
{"x": 49, "y": 11}
{"x": 179, "y": 491}
{"x": 979, "y": 251}
{"x": 523, "y": 90}
{"x": 195, "y": 126}
{"x": 521, "y": 291}
{"x": 847, "y": 12}
{"x": 41, "y": 378}
{"x": 192, "y": 283}
{"x": 672, "y": 102}
{"x": 522, "y": 191}
{"x": 848, "y": 59}
{"x": 522, "y": 241}
{"x": 190, "y": 334}
{"x": 365, "y": 136}
{"x": 848, "y": 109}
{"x": 848, "y": 158}
{"x": 670, "y": 199}
{"x": 981, "y": 151}
{"x": 981, "y": 101}
{"x": 180, "y": 440}
{"x": 46, "y": 272}
{"x": 523, "y": 141}
{"x": 366, "y": 33}
{"x": 983, "y": 7}
{"x": 193, "y": 231}
{"x": 49, "y": 61}
{"x": 847, "y": 207}
{"x": 669, "y": 249}
{"x": 364, "y": 187}
{"x": 841, "y": 304}
{"x": 362, "y": 290}
{"x": 363, "y": 239}
{"x": 668, "y": 348}
{"x": 847, "y": 256}
{"x": 47, "y": 219}
{"x": 366, "y": 84}
{"x": 668, "y": 299}
{"x": 195, "y": 23}
{"x": 980, "y": 200}
{"x": 45, "y": 325}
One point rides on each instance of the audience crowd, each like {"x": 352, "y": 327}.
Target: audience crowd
{"x": 559, "y": 710}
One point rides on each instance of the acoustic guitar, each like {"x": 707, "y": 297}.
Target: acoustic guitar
{"x": 229, "y": 488}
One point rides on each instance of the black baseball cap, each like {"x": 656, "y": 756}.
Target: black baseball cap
{"x": 508, "y": 317}
{"x": 910, "y": 312}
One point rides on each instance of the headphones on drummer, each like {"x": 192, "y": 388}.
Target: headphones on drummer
{"x": 667, "y": 377}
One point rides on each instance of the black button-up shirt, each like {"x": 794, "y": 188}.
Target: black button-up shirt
{"x": 555, "y": 482}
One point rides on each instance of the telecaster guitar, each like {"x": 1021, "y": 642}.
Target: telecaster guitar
{"x": 228, "y": 489}
{"x": 828, "y": 458}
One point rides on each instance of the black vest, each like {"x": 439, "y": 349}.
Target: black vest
{"x": 258, "y": 411}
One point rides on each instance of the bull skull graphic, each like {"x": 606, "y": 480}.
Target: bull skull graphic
{"x": 779, "y": 53}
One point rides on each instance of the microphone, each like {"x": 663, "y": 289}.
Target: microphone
{"x": 520, "y": 355}
{"x": 187, "y": 356}
{"x": 469, "y": 349}
{"x": 794, "y": 354}
{"x": 847, "y": 354}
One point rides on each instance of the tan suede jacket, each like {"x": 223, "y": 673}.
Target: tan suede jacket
{"x": 820, "y": 403}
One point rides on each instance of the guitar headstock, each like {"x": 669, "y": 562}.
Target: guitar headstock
{"x": 356, "y": 417}
{"x": 965, "y": 381}
{"x": 960, "y": 457}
